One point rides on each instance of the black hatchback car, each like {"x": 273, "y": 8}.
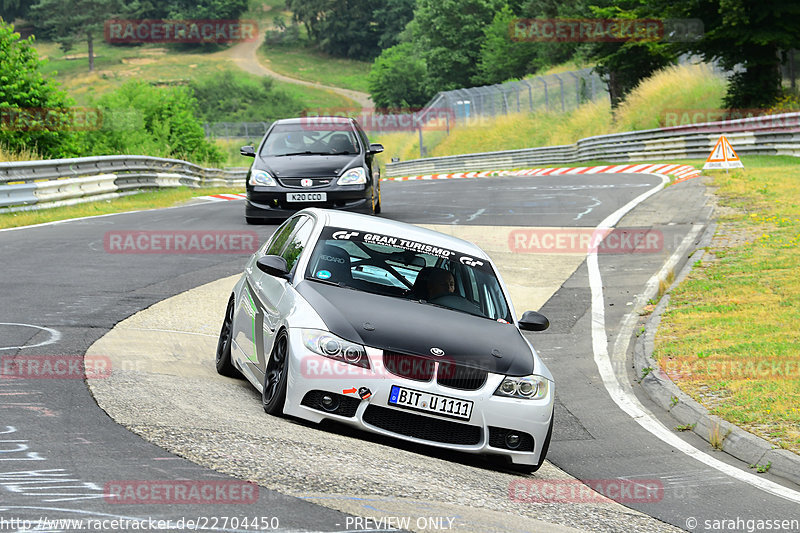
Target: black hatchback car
{"x": 312, "y": 162}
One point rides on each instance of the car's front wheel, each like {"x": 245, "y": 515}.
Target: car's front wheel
{"x": 274, "y": 394}
{"x": 224, "y": 362}
{"x": 377, "y": 208}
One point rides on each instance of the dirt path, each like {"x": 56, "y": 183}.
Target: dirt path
{"x": 245, "y": 56}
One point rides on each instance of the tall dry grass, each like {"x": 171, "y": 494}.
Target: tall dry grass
{"x": 683, "y": 87}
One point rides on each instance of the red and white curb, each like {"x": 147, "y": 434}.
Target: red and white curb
{"x": 222, "y": 197}
{"x": 681, "y": 172}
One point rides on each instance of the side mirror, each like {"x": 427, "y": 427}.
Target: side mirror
{"x": 375, "y": 148}
{"x": 533, "y": 321}
{"x": 274, "y": 265}
{"x": 248, "y": 151}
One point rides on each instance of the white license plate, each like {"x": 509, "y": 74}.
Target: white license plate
{"x": 306, "y": 196}
{"x": 430, "y": 403}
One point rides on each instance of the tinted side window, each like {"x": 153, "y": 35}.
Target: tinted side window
{"x": 280, "y": 237}
{"x": 298, "y": 242}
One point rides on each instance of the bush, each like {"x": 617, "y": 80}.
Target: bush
{"x": 234, "y": 97}
{"x": 396, "y": 78}
{"x": 159, "y": 121}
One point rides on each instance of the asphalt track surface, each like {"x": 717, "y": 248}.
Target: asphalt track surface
{"x": 61, "y": 291}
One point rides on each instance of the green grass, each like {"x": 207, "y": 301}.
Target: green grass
{"x": 230, "y": 147}
{"x": 301, "y": 62}
{"x": 313, "y": 98}
{"x": 159, "y": 65}
{"x": 144, "y": 200}
{"x": 729, "y": 335}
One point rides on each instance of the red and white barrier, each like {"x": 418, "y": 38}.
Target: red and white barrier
{"x": 681, "y": 172}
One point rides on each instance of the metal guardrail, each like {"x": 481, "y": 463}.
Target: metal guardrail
{"x": 762, "y": 135}
{"x": 30, "y": 185}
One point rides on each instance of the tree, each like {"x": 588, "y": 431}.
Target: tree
{"x": 391, "y": 19}
{"x": 448, "y": 36}
{"x": 396, "y": 78}
{"x": 347, "y": 30}
{"x": 34, "y": 112}
{"x": 66, "y": 21}
{"x": 547, "y": 54}
{"x": 747, "y": 34}
{"x": 186, "y": 9}
{"x": 11, "y": 10}
{"x": 342, "y": 28}
{"x": 624, "y": 64}
{"x": 501, "y": 57}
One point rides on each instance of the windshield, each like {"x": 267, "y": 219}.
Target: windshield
{"x": 396, "y": 267}
{"x": 306, "y": 138}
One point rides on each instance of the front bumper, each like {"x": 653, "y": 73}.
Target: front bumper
{"x": 312, "y": 376}
{"x": 273, "y": 204}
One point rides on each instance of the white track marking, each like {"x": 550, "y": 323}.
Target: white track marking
{"x": 55, "y": 336}
{"x": 67, "y": 220}
{"x": 624, "y": 397}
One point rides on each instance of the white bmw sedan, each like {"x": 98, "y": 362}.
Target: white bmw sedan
{"x": 391, "y": 328}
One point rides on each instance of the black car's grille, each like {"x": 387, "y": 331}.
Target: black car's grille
{"x": 460, "y": 377}
{"x": 296, "y": 183}
{"x": 421, "y": 427}
{"x": 409, "y": 366}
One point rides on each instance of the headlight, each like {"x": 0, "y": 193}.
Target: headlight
{"x": 262, "y": 178}
{"x": 528, "y": 387}
{"x": 354, "y": 176}
{"x": 329, "y": 345}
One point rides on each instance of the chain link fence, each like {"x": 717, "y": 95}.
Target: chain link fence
{"x": 555, "y": 92}
{"x": 236, "y": 130}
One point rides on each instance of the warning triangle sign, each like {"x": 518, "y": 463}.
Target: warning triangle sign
{"x": 723, "y": 156}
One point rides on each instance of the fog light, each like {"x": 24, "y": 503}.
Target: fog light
{"x": 329, "y": 403}
{"x": 513, "y": 441}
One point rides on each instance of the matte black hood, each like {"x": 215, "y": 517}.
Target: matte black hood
{"x": 305, "y": 166}
{"x": 410, "y": 327}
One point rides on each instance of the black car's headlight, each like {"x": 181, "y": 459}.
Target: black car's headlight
{"x": 262, "y": 178}
{"x": 354, "y": 176}
{"x": 528, "y": 387}
{"x": 327, "y": 344}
